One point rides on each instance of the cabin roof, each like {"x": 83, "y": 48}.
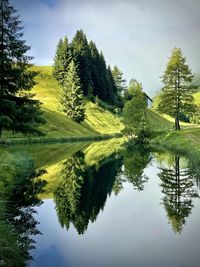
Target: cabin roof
{"x": 148, "y": 97}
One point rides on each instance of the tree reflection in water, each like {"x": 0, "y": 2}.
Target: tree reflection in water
{"x": 136, "y": 159}
{"x": 83, "y": 190}
{"x": 179, "y": 191}
{"x": 20, "y": 184}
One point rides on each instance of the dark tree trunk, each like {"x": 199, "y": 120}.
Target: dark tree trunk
{"x": 1, "y": 129}
{"x": 178, "y": 189}
{"x": 177, "y": 123}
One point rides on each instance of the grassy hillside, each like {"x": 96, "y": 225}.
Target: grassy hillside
{"x": 98, "y": 120}
{"x": 158, "y": 122}
{"x": 184, "y": 142}
{"x": 48, "y": 91}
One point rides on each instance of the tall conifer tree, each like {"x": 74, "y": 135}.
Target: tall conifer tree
{"x": 111, "y": 88}
{"x": 102, "y": 70}
{"x": 61, "y": 60}
{"x": 81, "y": 55}
{"x": 119, "y": 81}
{"x": 72, "y": 98}
{"x": 176, "y": 97}
{"x": 94, "y": 64}
{"x": 18, "y": 112}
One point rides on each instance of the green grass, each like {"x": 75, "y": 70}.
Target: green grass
{"x": 98, "y": 120}
{"x": 158, "y": 122}
{"x": 184, "y": 142}
{"x": 48, "y": 91}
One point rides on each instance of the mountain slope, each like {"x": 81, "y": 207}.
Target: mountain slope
{"x": 48, "y": 91}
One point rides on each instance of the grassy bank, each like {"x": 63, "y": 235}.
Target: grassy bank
{"x": 184, "y": 142}
{"x": 50, "y": 140}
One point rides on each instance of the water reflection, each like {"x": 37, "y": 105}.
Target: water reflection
{"x": 179, "y": 191}
{"x": 83, "y": 190}
{"x": 81, "y": 184}
{"x": 19, "y": 188}
{"x": 136, "y": 159}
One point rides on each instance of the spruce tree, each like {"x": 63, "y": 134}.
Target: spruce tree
{"x": 57, "y": 59}
{"x": 61, "y": 60}
{"x": 94, "y": 64}
{"x": 82, "y": 57}
{"x": 72, "y": 98}
{"x": 111, "y": 88}
{"x": 176, "y": 97}
{"x": 101, "y": 79}
{"x": 18, "y": 112}
{"x": 119, "y": 81}
{"x": 102, "y": 70}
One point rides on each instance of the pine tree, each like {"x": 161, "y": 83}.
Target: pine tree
{"x": 61, "y": 60}
{"x": 82, "y": 57}
{"x": 94, "y": 64}
{"x": 100, "y": 77}
{"x": 119, "y": 81}
{"x": 103, "y": 78}
{"x": 176, "y": 97}
{"x": 72, "y": 99}
{"x": 18, "y": 112}
{"x": 112, "y": 94}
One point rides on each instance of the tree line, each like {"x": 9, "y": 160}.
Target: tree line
{"x": 96, "y": 78}
{"x": 81, "y": 70}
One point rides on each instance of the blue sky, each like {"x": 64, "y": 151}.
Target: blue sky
{"x": 135, "y": 35}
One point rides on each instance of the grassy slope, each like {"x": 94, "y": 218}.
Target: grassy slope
{"x": 48, "y": 91}
{"x": 184, "y": 142}
{"x": 158, "y": 122}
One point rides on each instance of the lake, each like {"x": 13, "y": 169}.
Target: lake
{"x": 105, "y": 205}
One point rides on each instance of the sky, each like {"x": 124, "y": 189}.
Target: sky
{"x": 135, "y": 35}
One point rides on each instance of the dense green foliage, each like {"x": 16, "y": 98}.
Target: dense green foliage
{"x": 19, "y": 186}
{"x": 135, "y": 113}
{"x": 177, "y": 94}
{"x": 18, "y": 111}
{"x": 96, "y": 78}
{"x": 61, "y": 60}
{"x": 136, "y": 159}
{"x": 72, "y": 96}
{"x": 120, "y": 82}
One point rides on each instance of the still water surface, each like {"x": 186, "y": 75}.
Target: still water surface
{"x": 131, "y": 208}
